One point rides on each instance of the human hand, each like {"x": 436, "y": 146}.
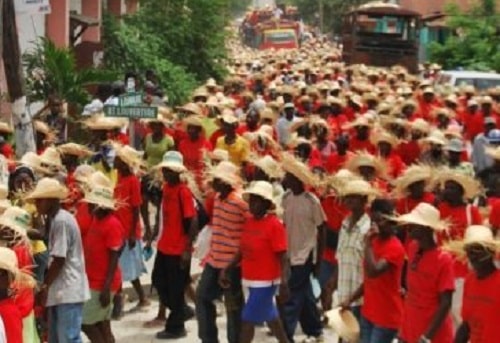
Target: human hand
{"x": 224, "y": 281}
{"x": 105, "y": 297}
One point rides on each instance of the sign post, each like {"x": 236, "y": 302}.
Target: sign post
{"x": 130, "y": 105}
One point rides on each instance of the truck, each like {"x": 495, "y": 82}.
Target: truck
{"x": 262, "y": 29}
{"x": 381, "y": 34}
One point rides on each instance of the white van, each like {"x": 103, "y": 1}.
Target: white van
{"x": 480, "y": 80}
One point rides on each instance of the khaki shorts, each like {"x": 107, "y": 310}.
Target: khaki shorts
{"x": 93, "y": 312}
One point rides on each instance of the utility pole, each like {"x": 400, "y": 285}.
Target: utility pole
{"x": 23, "y": 125}
{"x": 321, "y": 16}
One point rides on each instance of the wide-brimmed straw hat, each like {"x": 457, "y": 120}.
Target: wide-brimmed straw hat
{"x": 191, "y": 108}
{"x": 379, "y": 136}
{"x": 298, "y": 169}
{"x": 421, "y": 125}
{"x": 101, "y": 196}
{"x": 474, "y": 235}
{"x": 33, "y": 161}
{"x": 360, "y": 121}
{"x": 270, "y": 166}
{"x": 193, "y": 120}
{"x": 74, "y": 149}
{"x": 129, "y": 156}
{"x": 357, "y": 187}
{"x": 99, "y": 122}
{"x": 82, "y": 172}
{"x": 42, "y": 127}
{"x": 260, "y": 188}
{"x": 470, "y": 185}
{"x": 365, "y": 159}
{"x": 423, "y": 215}
{"x": 16, "y": 219}
{"x": 174, "y": 161}
{"x": 5, "y": 128}
{"x": 219, "y": 155}
{"x": 227, "y": 172}
{"x": 411, "y": 175}
{"x": 52, "y": 158}
{"x": 493, "y": 152}
{"x": 9, "y": 262}
{"x": 436, "y": 137}
{"x": 97, "y": 178}
{"x": 344, "y": 323}
{"x": 48, "y": 188}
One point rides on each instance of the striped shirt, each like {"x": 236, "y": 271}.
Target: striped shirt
{"x": 227, "y": 223}
{"x": 350, "y": 254}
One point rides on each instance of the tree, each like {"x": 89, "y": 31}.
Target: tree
{"x": 475, "y": 43}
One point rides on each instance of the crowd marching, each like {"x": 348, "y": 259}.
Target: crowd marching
{"x": 310, "y": 192}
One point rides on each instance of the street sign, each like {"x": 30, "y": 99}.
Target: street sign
{"x": 130, "y": 99}
{"x": 132, "y": 112}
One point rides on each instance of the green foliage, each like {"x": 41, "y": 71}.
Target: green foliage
{"x": 182, "y": 41}
{"x": 52, "y": 70}
{"x": 476, "y": 42}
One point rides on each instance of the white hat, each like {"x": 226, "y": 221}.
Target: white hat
{"x": 101, "y": 196}
{"x": 48, "y": 188}
{"x": 424, "y": 215}
{"x": 227, "y": 172}
{"x": 9, "y": 262}
{"x": 16, "y": 219}
{"x": 173, "y": 160}
{"x": 261, "y": 188}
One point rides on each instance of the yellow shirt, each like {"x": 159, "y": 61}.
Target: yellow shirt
{"x": 238, "y": 151}
{"x": 112, "y": 174}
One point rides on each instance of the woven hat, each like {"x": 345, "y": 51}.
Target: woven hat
{"x": 268, "y": 113}
{"x": 101, "y": 196}
{"x": 421, "y": 125}
{"x": 428, "y": 90}
{"x": 378, "y": 136}
{"x": 4, "y": 202}
{"x": 411, "y": 175}
{"x": 292, "y": 165}
{"x": 471, "y": 186}
{"x": 5, "y": 128}
{"x": 436, "y": 137}
{"x": 365, "y": 159}
{"x": 358, "y": 187}
{"x": 97, "y": 178}
{"x": 52, "y": 158}
{"x": 190, "y": 107}
{"x": 48, "y": 188}
{"x": 33, "y": 161}
{"x": 16, "y": 219}
{"x": 360, "y": 121}
{"x": 494, "y": 153}
{"x": 129, "y": 156}
{"x": 344, "y": 323}
{"x": 193, "y": 120}
{"x": 8, "y": 262}
{"x": 474, "y": 235}
{"x": 229, "y": 118}
{"x": 211, "y": 83}
{"x": 261, "y": 188}
{"x": 74, "y": 149}
{"x": 219, "y": 155}
{"x": 227, "y": 172}
{"x": 42, "y": 127}
{"x": 82, "y": 172}
{"x": 99, "y": 122}
{"x": 161, "y": 118}
{"x": 424, "y": 215}
{"x": 173, "y": 160}
{"x": 269, "y": 166}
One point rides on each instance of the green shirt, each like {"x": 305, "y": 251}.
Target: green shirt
{"x": 155, "y": 150}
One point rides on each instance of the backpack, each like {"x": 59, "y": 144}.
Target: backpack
{"x": 201, "y": 215}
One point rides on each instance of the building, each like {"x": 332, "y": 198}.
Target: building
{"x": 427, "y": 7}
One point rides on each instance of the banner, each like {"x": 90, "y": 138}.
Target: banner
{"x": 33, "y": 6}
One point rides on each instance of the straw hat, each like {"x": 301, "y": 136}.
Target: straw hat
{"x": 365, "y": 159}
{"x": 421, "y": 125}
{"x": 424, "y": 215}
{"x": 358, "y": 187}
{"x": 8, "y": 262}
{"x": 17, "y": 219}
{"x": 474, "y": 235}
{"x": 211, "y": 83}
{"x": 229, "y": 118}
{"x": 411, "y": 175}
{"x": 435, "y": 137}
{"x": 129, "y": 156}
{"x": 268, "y": 113}
{"x": 471, "y": 186}
{"x": 82, "y": 172}
{"x": 101, "y": 196}
{"x": 269, "y": 166}
{"x": 48, "y": 188}
{"x": 74, "y": 149}
{"x": 292, "y": 165}
{"x": 344, "y": 323}
{"x": 261, "y": 188}
{"x": 190, "y": 108}
{"x": 42, "y": 127}
{"x": 33, "y": 161}
{"x": 164, "y": 119}
{"x": 494, "y": 153}
{"x": 173, "y": 160}
{"x": 379, "y": 136}
{"x": 104, "y": 123}
{"x": 219, "y": 155}
{"x": 360, "y": 121}
{"x": 5, "y": 128}
{"x": 97, "y": 178}
{"x": 227, "y": 172}
{"x": 4, "y": 202}
{"x": 193, "y": 120}
{"x": 52, "y": 158}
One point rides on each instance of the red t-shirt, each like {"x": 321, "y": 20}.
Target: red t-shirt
{"x": 481, "y": 307}
{"x": 494, "y": 217}
{"x": 409, "y": 151}
{"x": 128, "y": 195}
{"x": 432, "y": 276}
{"x": 215, "y": 136}
{"x": 457, "y": 217}
{"x": 12, "y": 321}
{"x": 335, "y": 162}
{"x": 473, "y": 124}
{"x": 335, "y": 213}
{"x": 244, "y": 129}
{"x": 24, "y": 299}
{"x": 173, "y": 240}
{"x": 383, "y": 302}
{"x": 358, "y": 145}
{"x": 104, "y": 236}
{"x": 261, "y": 242}
{"x": 395, "y": 165}
{"x": 83, "y": 218}
{"x": 406, "y": 205}
{"x": 192, "y": 152}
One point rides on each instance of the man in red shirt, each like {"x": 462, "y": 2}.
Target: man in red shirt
{"x": 171, "y": 271}
{"x": 360, "y": 140}
{"x": 410, "y": 189}
{"x": 252, "y": 122}
{"x": 481, "y": 300}
{"x": 472, "y": 120}
{"x": 101, "y": 248}
{"x": 382, "y": 309}
{"x": 386, "y": 143}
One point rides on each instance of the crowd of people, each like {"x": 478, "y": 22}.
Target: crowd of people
{"x": 310, "y": 192}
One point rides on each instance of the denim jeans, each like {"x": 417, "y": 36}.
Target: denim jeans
{"x": 371, "y": 333}
{"x": 207, "y": 292}
{"x": 301, "y": 306}
{"x": 65, "y": 323}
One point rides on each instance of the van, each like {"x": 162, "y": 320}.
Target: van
{"x": 480, "y": 80}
